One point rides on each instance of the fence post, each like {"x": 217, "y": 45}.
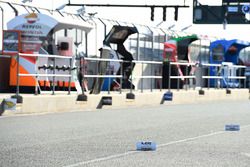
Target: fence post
{"x": 97, "y": 71}
{"x": 131, "y": 78}
{"x": 82, "y": 97}
{"x": 239, "y": 80}
{"x": 217, "y": 79}
{"x": 36, "y": 68}
{"x": 151, "y": 79}
{"x": 208, "y": 79}
{"x": 245, "y": 82}
{"x": 17, "y": 96}
{"x": 178, "y": 81}
{"x": 161, "y": 76}
{"x": 169, "y": 76}
{"x": 17, "y": 84}
{"x": 70, "y": 73}
{"x": 201, "y": 91}
{"x": 142, "y": 77}
{"x": 121, "y": 72}
{"x": 194, "y": 79}
{"x": 186, "y": 79}
{"x": 54, "y": 72}
{"x": 109, "y": 72}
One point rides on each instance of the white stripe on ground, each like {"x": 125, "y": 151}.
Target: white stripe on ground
{"x": 159, "y": 146}
{"x": 246, "y": 154}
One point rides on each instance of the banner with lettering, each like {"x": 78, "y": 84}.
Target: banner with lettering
{"x": 34, "y": 29}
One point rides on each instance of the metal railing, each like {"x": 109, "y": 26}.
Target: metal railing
{"x": 180, "y": 76}
{"x": 121, "y": 76}
{"x": 219, "y": 77}
{"x": 218, "y": 73}
{"x": 151, "y": 76}
{"x": 37, "y": 75}
{"x": 109, "y": 75}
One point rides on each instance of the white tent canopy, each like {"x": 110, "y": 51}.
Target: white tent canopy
{"x": 70, "y": 21}
{"x": 48, "y": 21}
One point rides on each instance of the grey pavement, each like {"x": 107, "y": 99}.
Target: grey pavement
{"x": 186, "y": 135}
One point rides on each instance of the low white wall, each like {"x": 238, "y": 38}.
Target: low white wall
{"x": 63, "y": 103}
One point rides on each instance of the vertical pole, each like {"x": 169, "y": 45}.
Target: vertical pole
{"x": 36, "y": 68}
{"x": 152, "y": 58}
{"x": 76, "y": 41}
{"x": 222, "y": 75}
{"x": 17, "y": 73}
{"x": 245, "y": 81}
{"x": 2, "y": 18}
{"x": 186, "y": 80}
{"x": 230, "y": 74}
{"x": 86, "y": 55}
{"x": 121, "y": 78}
{"x": 105, "y": 27}
{"x": 161, "y": 77}
{"x": 239, "y": 80}
{"x": 194, "y": 79}
{"x": 82, "y": 66}
{"x": 201, "y": 76}
{"x": 208, "y": 79}
{"x": 138, "y": 47}
{"x": 169, "y": 76}
{"x": 83, "y": 74}
{"x": 109, "y": 72}
{"x": 151, "y": 79}
{"x": 200, "y": 65}
{"x": 86, "y": 44}
{"x": 142, "y": 77}
{"x": 249, "y": 86}
{"x": 70, "y": 73}
{"x": 97, "y": 72}
{"x": 178, "y": 81}
{"x": 217, "y": 79}
{"x": 54, "y": 73}
{"x": 227, "y": 86}
{"x": 131, "y": 80}
{"x": 65, "y": 32}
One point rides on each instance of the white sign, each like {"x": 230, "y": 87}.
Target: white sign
{"x": 10, "y": 104}
{"x": 34, "y": 24}
{"x": 34, "y": 28}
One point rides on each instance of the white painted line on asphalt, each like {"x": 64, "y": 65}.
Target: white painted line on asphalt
{"x": 191, "y": 138}
{"x": 159, "y": 146}
{"x": 246, "y": 154}
{"x": 101, "y": 159}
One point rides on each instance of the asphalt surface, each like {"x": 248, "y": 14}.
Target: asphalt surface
{"x": 186, "y": 135}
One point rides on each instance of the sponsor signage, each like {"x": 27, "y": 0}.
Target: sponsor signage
{"x": 245, "y": 9}
{"x": 11, "y": 42}
{"x": 34, "y": 29}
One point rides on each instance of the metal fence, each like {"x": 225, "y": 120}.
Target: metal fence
{"x": 53, "y": 67}
{"x": 215, "y": 75}
{"x": 142, "y": 75}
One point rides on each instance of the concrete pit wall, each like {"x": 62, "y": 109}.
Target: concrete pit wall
{"x": 64, "y": 103}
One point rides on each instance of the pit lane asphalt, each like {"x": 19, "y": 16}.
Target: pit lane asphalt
{"x": 186, "y": 135}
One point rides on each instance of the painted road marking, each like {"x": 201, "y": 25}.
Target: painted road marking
{"x": 160, "y": 146}
{"x": 246, "y": 154}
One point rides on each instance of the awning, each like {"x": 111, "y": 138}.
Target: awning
{"x": 119, "y": 34}
{"x": 69, "y": 21}
{"x": 48, "y": 21}
{"x": 227, "y": 44}
{"x": 182, "y": 45}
